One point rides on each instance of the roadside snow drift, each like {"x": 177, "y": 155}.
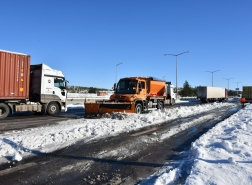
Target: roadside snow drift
{"x": 15, "y": 145}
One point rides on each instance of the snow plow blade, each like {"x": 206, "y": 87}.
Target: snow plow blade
{"x": 97, "y": 109}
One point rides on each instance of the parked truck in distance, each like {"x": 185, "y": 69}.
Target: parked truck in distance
{"x": 211, "y": 94}
{"x": 170, "y": 95}
{"x": 134, "y": 95}
{"x": 246, "y": 94}
{"x": 25, "y": 87}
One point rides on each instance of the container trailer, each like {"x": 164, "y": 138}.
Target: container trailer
{"x": 210, "y": 94}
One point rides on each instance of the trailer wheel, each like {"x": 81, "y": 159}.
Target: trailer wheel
{"x": 4, "y": 110}
{"x": 52, "y": 108}
{"x": 138, "y": 108}
{"x": 160, "y": 105}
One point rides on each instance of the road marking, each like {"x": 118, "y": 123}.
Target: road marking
{"x": 144, "y": 132}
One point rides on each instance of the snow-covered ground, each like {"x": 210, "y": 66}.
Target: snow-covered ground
{"x": 221, "y": 156}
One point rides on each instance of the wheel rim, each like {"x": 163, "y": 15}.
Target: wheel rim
{"x": 53, "y": 108}
{"x": 138, "y": 109}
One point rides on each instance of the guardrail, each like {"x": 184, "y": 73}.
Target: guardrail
{"x": 91, "y": 98}
{"x": 80, "y": 100}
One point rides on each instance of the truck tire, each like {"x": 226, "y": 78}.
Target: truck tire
{"x": 4, "y": 110}
{"x": 138, "y": 108}
{"x": 160, "y": 105}
{"x": 52, "y": 108}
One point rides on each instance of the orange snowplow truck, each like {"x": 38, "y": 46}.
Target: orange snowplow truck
{"x": 132, "y": 95}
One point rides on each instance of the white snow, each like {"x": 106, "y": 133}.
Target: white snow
{"x": 223, "y": 155}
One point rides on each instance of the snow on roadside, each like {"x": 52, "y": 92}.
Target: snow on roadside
{"x": 46, "y": 139}
{"x": 225, "y": 148}
{"x": 221, "y": 156}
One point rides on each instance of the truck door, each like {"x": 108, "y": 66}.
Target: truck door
{"x": 142, "y": 86}
{"x": 47, "y": 86}
{"x": 54, "y": 89}
{"x": 59, "y": 88}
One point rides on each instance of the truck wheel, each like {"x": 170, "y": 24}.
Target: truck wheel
{"x": 4, "y": 110}
{"x": 52, "y": 108}
{"x": 138, "y": 108}
{"x": 160, "y": 105}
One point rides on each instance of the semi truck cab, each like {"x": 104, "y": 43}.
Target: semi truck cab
{"x": 48, "y": 86}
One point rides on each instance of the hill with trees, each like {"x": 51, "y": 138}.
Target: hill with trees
{"x": 81, "y": 89}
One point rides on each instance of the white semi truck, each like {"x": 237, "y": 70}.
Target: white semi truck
{"x": 170, "y": 95}
{"x": 25, "y": 87}
{"x": 210, "y": 94}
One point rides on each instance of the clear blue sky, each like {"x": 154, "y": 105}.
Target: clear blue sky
{"x": 85, "y": 39}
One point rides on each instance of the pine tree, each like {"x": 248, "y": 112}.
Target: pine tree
{"x": 187, "y": 90}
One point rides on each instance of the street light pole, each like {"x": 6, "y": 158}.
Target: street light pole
{"x": 212, "y": 74}
{"x": 176, "y": 55}
{"x": 228, "y": 81}
{"x": 116, "y": 70}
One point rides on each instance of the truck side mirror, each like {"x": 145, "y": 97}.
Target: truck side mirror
{"x": 114, "y": 87}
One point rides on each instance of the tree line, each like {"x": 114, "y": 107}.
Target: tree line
{"x": 81, "y": 89}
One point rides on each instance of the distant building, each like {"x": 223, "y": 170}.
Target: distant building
{"x": 101, "y": 93}
{"x": 104, "y": 93}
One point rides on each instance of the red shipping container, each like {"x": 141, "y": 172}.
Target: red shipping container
{"x": 14, "y": 75}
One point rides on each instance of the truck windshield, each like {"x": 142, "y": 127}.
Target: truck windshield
{"x": 126, "y": 86}
{"x": 60, "y": 83}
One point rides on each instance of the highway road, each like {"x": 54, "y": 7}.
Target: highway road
{"x": 125, "y": 159}
{"x": 20, "y": 121}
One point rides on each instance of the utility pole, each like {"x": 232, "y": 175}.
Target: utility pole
{"x": 176, "y": 55}
{"x": 116, "y": 71}
{"x": 228, "y": 81}
{"x": 212, "y": 74}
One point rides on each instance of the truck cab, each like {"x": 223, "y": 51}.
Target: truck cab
{"x": 129, "y": 89}
{"x": 48, "y": 86}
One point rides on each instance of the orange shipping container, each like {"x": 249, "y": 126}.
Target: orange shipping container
{"x": 14, "y": 75}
